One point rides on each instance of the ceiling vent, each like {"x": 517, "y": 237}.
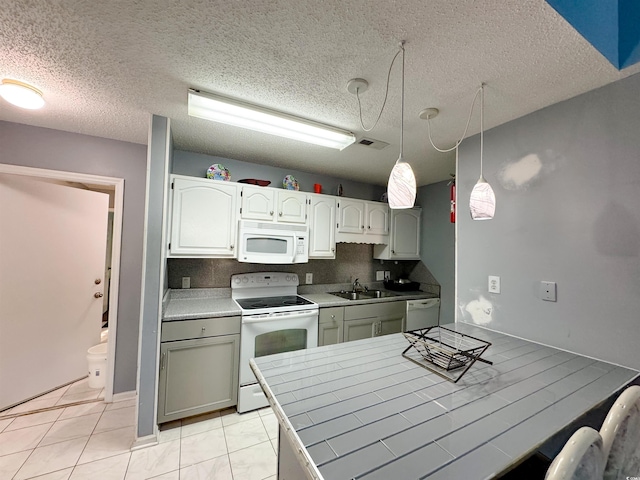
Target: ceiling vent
{"x": 371, "y": 143}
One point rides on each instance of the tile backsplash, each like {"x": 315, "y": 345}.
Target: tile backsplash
{"x": 353, "y": 260}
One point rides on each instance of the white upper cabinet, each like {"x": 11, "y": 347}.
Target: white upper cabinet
{"x": 404, "y": 239}
{"x": 322, "y": 227}
{"x": 203, "y": 218}
{"x": 269, "y": 204}
{"x": 360, "y": 221}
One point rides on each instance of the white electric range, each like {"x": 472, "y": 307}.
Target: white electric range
{"x": 274, "y": 320}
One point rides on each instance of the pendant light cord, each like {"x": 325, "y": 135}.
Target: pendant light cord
{"x": 464, "y": 134}
{"x": 386, "y": 92}
{"x": 481, "y": 126}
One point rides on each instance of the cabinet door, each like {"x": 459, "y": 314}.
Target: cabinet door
{"x": 322, "y": 232}
{"x": 330, "y": 326}
{"x": 405, "y": 237}
{"x": 351, "y": 216}
{"x": 204, "y": 218}
{"x": 377, "y": 218}
{"x": 257, "y": 203}
{"x": 391, "y": 325}
{"x": 360, "y": 328}
{"x": 292, "y": 207}
{"x": 197, "y": 376}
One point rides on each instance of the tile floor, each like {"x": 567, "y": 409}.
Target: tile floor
{"x": 92, "y": 441}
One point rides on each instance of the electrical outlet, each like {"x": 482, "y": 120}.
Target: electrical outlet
{"x": 387, "y": 274}
{"x": 186, "y": 282}
{"x": 379, "y": 275}
{"x": 494, "y": 284}
{"x": 309, "y": 278}
{"x": 548, "y": 291}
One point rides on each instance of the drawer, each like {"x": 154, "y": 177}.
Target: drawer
{"x": 200, "y": 328}
{"x": 331, "y": 314}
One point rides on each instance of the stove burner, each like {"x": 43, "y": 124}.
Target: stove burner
{"x": 272, "y": 302}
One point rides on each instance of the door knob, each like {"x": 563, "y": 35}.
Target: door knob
{"x": 98, "y": 281}
{"x": 98, "y": 295}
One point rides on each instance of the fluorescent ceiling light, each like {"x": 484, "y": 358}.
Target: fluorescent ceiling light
{"x": 21, "y": 94}
{"x": 240, "y": 114}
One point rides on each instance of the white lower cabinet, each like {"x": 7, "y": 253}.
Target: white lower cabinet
{"x": 356, "y": 322}
{"x": 199, "y": 362}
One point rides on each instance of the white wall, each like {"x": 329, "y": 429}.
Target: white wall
{"x": 567, "y": 182}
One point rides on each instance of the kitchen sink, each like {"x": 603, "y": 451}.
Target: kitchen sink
{"x": 363, "y": 295}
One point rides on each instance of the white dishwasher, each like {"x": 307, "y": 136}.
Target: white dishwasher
{"x": 422, "y": 313}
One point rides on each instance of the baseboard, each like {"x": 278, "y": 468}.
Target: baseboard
{"x": 144, "y": 442}
{"x": 118, "y": 397}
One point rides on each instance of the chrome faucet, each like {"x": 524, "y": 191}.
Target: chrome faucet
{"x": 357, "y": 284}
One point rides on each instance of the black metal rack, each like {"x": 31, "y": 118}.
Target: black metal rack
{"x": 442, "y": 350}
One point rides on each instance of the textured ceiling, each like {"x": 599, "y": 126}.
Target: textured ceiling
{"x": 103, "y": 66}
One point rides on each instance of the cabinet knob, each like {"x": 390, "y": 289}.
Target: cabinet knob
{"x": 271, "y": 212}
{"x": 333, "y": 249}
{"x": 231, "y": 247}
{"x": 333, "y": 316}
{"x": 204, "y": 329}
{"x": 369, "y": 227}
{"x": 393, "y": 251}
{"x": 280, "y": 214}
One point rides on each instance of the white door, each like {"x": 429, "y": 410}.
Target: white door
{"x": 52, "y": 254}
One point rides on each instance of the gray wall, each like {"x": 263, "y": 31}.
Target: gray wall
{"x": 437, "y": 249}
{"x": 154, "y": 271}
{"x": 55, "y": 150}
{"x": 567, "y": 182}
{"x": 196, "y": 165}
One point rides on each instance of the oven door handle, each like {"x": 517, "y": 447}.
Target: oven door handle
{"x": 289, "y": 316}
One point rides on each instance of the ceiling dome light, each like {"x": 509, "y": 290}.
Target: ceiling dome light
{"x": 21, "y": 94}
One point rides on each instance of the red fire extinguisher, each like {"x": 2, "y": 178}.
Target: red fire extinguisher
{"x": 452, "y": 190}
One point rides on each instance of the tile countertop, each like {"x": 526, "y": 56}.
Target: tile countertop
{"x": 361, "y": 410}
{"x": 189, "y": 304}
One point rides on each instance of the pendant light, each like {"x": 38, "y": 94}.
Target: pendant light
{"x": 401, "y": 189}
{"x": 482, "y": 203}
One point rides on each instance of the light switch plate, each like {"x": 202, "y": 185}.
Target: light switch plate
{"x": 494, "y": 284}
{"x": 308, "y": 278}
{"x": 379, "y": 275}
{"x": 186, "y": 282}
{"x": 548, "y": 291}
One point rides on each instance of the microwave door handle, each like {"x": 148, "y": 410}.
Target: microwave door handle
{"x": 295, "y": 249}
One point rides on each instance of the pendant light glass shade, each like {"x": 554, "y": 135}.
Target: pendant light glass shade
{"x": 401, "y": 189}
{"x": 482, "y": 203}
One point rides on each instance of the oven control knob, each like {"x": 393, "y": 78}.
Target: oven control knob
{"x": 288, "y": 278}
{"x": 237, "y": 280}
{"x": 245, "y": 280}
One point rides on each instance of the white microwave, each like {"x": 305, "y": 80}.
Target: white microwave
{"x": 275, "y": 243}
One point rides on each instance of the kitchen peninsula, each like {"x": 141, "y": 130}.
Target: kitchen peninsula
{"x": 361, "y": 410}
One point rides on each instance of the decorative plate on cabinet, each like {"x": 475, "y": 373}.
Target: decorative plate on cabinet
{"x": 218, "y": 171}
{"x": 290, "y": 183}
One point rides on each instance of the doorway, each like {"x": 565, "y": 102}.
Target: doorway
{"x": 116, "y": 187}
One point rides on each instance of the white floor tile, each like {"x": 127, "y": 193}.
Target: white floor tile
{"x": 52, "y": 458}
{"x": 58, "y": 475}
{"x": 35, "y": 404}
{"x": 112, "y": 468}
{"x": 114, "y": 419}
{"x": 153, "y": 461}
{"x": 201, "y": 447}
{"x": 84, "y": 409}
{"x": 23, "y": 439}
{"x": 200, "y": 424}
{"x": 266, "y": 411}
{"x": 230, "y": 416}
{"x": 57, "y": 393}
{"x": 108, "y": 444}
{"x": 130, "y": 402}
{"x": 170, "y": 431}
{"x": 175, "y": 475}
{"x": 10, "y": 464}
{"x": 244, "y": 434}
{"x": 34, "y": 419}
{"x": 5, "y": 423}
{"x": 270, "y": 423}
{"x": 253, "y": 463}
{"x": 215, "y": 469}
{"x": 81, "y": 386}
{"x": 78, "y": 397}
{"x": 69, "y": 429}
{"x": 274, "y": 442}
{"x": 6, "y": 412}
